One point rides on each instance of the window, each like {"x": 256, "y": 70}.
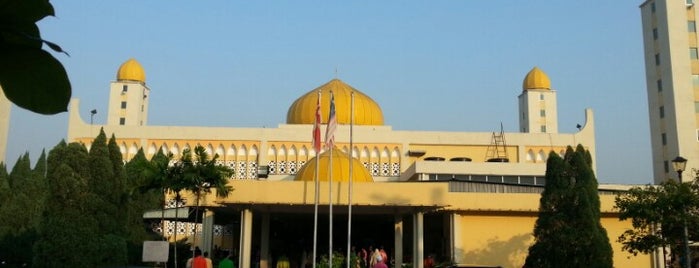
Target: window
{"x": 124, "y": 89}
{"x": 541, "y": 96}
{"x": 692, "y": 26}
{"x": 141, "y": 107}
{"x": 123, "y": 105}
{"x": 693, "y": 54}
{"x": 666, "y": 167}
{"x": 655, "y": 33}
{"x": 657, "y": 59}
{"x": 122, "y": 121}
{"x": 689, "y": 2}
{"x": 663, "y": 137}
{"x": 660, "y": 85}
{"x": 662, "y": 112}
{"x": 543, "y": 128}
{"x": 695, "y": 80}
{"x": 652, "y": 7}
{"x": 542, "y": 112}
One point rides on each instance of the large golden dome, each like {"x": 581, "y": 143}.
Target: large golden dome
{"x": 366, "y": 110}
{"x": 131, "y": 70}
{"x": 340, "y": 168}
{"x": 536, "y": 79}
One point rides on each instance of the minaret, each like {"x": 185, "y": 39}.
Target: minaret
{"x": 4, "y": 124}
{"x": 128, "y": 96}
{"x": 537, "y": 104}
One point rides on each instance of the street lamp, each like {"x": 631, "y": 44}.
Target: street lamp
{"x": 679, "y": 164}
{"x": 92, "y": 115}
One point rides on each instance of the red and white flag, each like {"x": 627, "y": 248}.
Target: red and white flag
{"x": 316, "y": 128}
{"x": 332, "y": 124}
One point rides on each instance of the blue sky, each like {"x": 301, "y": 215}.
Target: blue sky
{"x": 431, "y": 65}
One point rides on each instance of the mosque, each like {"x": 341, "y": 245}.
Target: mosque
{"x": 464, "y": 197}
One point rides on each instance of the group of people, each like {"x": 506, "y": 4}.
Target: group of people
{"x": 203, "y": 261}
{"x": 376, "y": 258}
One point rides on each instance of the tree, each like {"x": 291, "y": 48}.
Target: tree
{"x": 66, "y": 236}
{"x": 658, "y": 214}
{"x": 568, "y": 232}
{"x": 23, "y": 60}
{"x": 106, "y": 193}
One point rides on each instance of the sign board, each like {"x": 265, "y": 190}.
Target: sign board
{"x": 155, "y": 251}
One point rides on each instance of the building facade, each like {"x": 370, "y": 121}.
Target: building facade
{"x": 466, "y": 197}
{"x": 672, "y": 79}
{"x": 4, "y": 124}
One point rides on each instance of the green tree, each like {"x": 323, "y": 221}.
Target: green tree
{"x": 66, "y": 236}
{"x": 106, "y": 201}
{"x": 568, "y": 232}
{"x": 658, "y": 214}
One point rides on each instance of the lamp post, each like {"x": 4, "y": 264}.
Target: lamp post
{"x": 679, "y": 164}
{"x": 92, "y": 115}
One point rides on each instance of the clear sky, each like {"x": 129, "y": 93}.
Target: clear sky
{"x": 431, "y": 65}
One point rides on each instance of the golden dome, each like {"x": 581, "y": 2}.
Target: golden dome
{"x": 131, "y": 70}
{"x": 340, "y": 168}
{"x": 536, "y": 79}
{"x": 366, "y": 110}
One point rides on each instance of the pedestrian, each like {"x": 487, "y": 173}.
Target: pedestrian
{"x": 198, "y": 261}
{"x": 380, "y": 262}
{"x": 227, "y": 262}
{"x": 209, "y": 263}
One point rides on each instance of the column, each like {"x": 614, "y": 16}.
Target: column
{"x": 264, "y": 242}
{"x": 418, "y": 240}
{"x": 398, "y": 240}
{"x": 245, "y": 238}
{"x": 207, "y": 234}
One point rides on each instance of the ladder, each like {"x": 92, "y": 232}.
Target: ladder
{"x": 497, "y": 150}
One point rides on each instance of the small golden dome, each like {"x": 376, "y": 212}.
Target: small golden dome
{"x": 131, "y": 70}
{"x": 340, "y": 168}
{"x": 366, "y": 110}
{"x": 536, "y": 79}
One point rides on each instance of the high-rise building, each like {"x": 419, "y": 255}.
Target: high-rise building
{"x": 672, "y": 78}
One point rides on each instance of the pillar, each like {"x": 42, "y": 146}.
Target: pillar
{"x": 245, "y": 238}
{"x": 418, "y": 240}
{"x": 398, "y": 240}
{"x": 264, "y": 242}
{"x": 207, "y": 234}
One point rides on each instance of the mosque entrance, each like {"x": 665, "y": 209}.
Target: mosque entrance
{"x": 291, "y": 236}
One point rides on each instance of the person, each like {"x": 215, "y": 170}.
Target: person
{"x": 374, "y": 258}
{"x": 209, "y": 263}
{"x": 380, "y": 262}
{"x": 198, "y": 261}
{"x": 189, "y": 261}
{"x": 384, "y": 255}
{"x": 429, "y": 262}
{"x": 227, "y": 262}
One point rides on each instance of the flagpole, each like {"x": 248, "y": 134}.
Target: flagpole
{"x": 330, "y": 144}
{"x": 330, "y": 182}
{"x": 316, "y": 143}
{"x": 349, "y": 197}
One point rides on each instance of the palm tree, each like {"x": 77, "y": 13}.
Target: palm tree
{"x": 203, "y": 174}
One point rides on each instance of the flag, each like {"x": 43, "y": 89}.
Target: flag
{"x": 316, "y": 128}
{"x": 332, "y": 124}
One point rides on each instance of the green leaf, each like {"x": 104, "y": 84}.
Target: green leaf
{"x": 34, "y": 80}
{"x": 25, "y": 10}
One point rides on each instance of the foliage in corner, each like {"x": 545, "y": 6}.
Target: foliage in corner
{"x": 30, "y": 77}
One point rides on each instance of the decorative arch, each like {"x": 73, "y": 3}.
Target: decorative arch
{"x": 231, "y": 152}
{"x": 175, "y": 149}
{"x": 541, "y": 157}
{"x": 164, "y": 148}
{"x": 133, "y": 149}
{"x": 122, "y": 148}
{"x": 385, "y": 162}
{"x": 220, "y": 151}
{"x": 530, "y": 156}
{"x": 152, "y": 149}
{"x": 209, "y": 149}
{"x": 395, "y": 162}
{"x": 252, "y": 163}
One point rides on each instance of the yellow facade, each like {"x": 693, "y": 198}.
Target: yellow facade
{"x": 476, "y": 211}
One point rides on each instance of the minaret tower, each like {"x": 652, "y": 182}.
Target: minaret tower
{"x": 128, "y": 96}
{"x": 537, "y": 104}
{"x": 4, "y": 124}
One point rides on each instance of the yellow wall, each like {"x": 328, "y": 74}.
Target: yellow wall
{"x": 504, "y": 239}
